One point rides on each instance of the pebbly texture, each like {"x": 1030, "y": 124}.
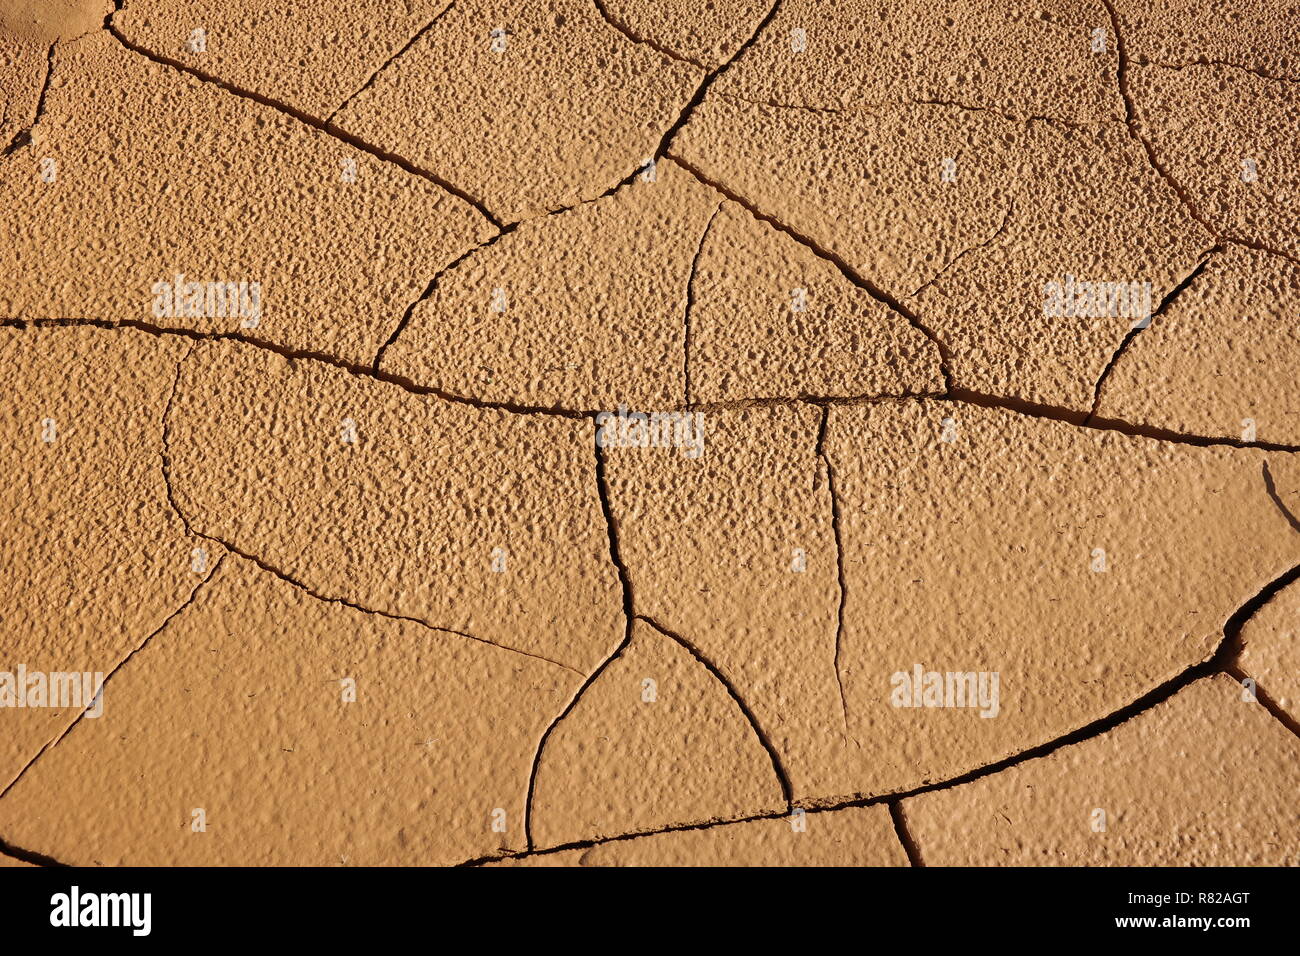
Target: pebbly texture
{"x": 95, "y": 558}
{"x": 553, "y": 108}
{"x": 1239, "y": 173}
{"x": 561, "y": 313}
{"x": 1256, "y": 35}
{"x": 1023, "y": 59}
{"x": 310, "y": 56}
{"x": 769, "y": 318}
{"x": 26, "y": 65}
{"x": 1028, "y": 205}
{"x": 180, "y": 177}
{"x": 487, "y": 517}
{"x": 1168, "y": 782}
{"x": 678, "y": 28}
{"x": 750, "y": 433}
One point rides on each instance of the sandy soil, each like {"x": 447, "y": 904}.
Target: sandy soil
{"x": 624, "y": 433}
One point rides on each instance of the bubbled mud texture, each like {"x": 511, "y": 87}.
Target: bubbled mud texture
{"x": 642, "y": 432}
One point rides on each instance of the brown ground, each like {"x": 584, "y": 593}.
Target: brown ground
{"x": 363, "y": 585}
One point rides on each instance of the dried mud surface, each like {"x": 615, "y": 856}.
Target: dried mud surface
{"x": 960, "y": 524}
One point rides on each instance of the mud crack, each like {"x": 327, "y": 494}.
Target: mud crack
{"x": 1132, "y": 333}
{"x": 627, "y": 31}
{"x": 320, "y": 125}
{"x": 842, "y": 583}
{"x": 690, "y": 303}
{"x": 24, "y": 136}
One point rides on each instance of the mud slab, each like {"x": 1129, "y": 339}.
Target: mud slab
{"x": 645, "y": 433}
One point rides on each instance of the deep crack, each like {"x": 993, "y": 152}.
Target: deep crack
{"x": 698, "y": 97}
{"x": 1222, "y": 660}
{"x": 904, "y": 835}
{"x": 1277, "y": 500}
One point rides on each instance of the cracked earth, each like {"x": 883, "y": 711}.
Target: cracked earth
{"x": 366, "y": 563}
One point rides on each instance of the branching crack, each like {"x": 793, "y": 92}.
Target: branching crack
{"x": 315, "y": 123}
{"x": 361, "y": 371}
{"x": 659, "y": 48}
{"x": 783, "y": 779}
{"x": 625, "y": 585}
{"x": 1010, "y": 403}
{"x": 1130, "y": 121}
{"x": 387, "y": 63}
{"x": 1221, "y": 661}
{"x": 666, "y": 141}
{"x": 848, "y": 271}
{"x": 1132, "y": 333}
{"x": 290, "y": 580}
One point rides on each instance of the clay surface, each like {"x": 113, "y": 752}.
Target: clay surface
{"x": 647, "y": 433}
{"x": 97, "y": 560}
{"x": 857, "y": 836}
{"x": 1209, "y": 365}
{"x": 489, "y": 95}
{"x": 1152, "y": 792}
{"x": 304, "y": 732}
{"x": 1270, "y": 651}
{"x": 181, "y": 179}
